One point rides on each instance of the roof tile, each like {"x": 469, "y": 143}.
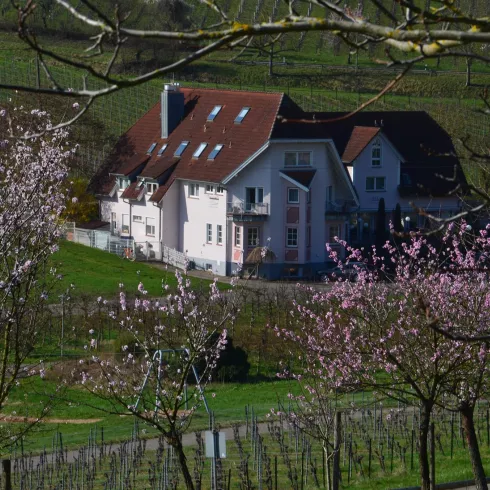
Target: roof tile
{"x": 359, "y": 139}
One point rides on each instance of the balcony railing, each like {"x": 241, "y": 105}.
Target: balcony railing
{"x": 254, "y": 208}
{"x": 340, "y": 206}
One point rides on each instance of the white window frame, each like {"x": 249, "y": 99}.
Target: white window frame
{"x": 242, "y": 115}
{"x": 258, "y": 190}
{"x": 182, "y": 146}
{"x": 148, "y": 224}
{"x": 255, "y": 240}
{"x": 122, "y": 183}
{"x": 193, "y": 190}
{"x": 376, "y": 153}
{"x": 137, "y": 218}
{"x": 209, "y": 233}
{"x": 215, "y": 151}
{"x": 151, "y": 187}
{"x": 220, "y": 190}
{"x": 210, "y": 189}
{"x": 213, "y": 114}
{"x": 292, "y": 242}
{"x": 125, "y": 224}
{"x": 209, "y": 267}
{"x": 238, "y": 236}
{"x": 290, "y": 201}
{"x": 375, "y": 188}
{"x": 199, "y": 150}
{"x": 219, "y": 234}
{"x": 296, "y": 159}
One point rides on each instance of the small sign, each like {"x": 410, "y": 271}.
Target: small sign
{"x": 215, "y": 444}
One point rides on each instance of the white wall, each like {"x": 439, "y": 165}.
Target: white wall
{"x": 194, "y": 214}
{"x": 264, "y": 172}
{"x": 390, "y": 168}
{"x": 132, "y": 208}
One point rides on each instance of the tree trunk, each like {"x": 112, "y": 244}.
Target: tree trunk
{"x": 424, "y": 450}
{"x": 467, "y": 413}
{"x": 176, "y": 443}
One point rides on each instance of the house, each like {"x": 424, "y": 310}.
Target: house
{"x": 406, "y": 158}
{"x": 215, "y": 173}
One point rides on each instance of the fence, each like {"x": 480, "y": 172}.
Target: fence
{"x": 103, "y": 240}
{"x": 174, "y": 257}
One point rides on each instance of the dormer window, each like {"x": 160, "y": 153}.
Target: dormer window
{"x": 152, "y": 147}
{"x": 214, "y": 112}
{"x": 162, "y": 149}
{"x": 241, "y": 115}
{"x": 215, "y": 151}
{"x": 151, "y": 187}
{"x": 181, "y": 148}
{"x": 122, "y": 183}
{"x": 199, "y": 150}
{"x": 376, "y": 153}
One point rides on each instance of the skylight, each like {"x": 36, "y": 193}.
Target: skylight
{"x": 199, "y": 150}
{"x": 152, "y": 147}
{"x": 214, "y": 152}
{"x": 241, "y": 115}
{"x": 181, "y": 148}
{"x": 214, "y": 112}
{"x": 162, "y": 149}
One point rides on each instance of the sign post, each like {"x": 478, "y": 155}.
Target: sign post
{"x": 215, "y": 449}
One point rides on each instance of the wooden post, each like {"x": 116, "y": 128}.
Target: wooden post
{"x": 336, "y": 455}
{"x": 7, "y": 474}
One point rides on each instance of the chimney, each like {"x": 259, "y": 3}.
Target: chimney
{"x": 172, "y": 102}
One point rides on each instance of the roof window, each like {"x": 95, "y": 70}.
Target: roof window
{"x": 162, "y": 149}
{"x": 241, "y": 115}
{"x": 214, "y": 112}
{"x": 199, "y": 150}
{"x": 215, "y": 151}
{"x": 152, "y": 147}
{"x": 181, "y": 148}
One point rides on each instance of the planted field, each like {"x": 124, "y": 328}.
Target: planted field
{"x": 378, "y": 450}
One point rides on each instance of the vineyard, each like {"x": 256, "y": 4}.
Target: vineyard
{"x": 117, "y": 112}
{"x": 377, "y": 445}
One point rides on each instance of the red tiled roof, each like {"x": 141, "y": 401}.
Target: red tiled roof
{"x": 361, "y": 136}
{"x": 133, "y": 191}
{"x": 106, "y": 185}
{"x": 132, "y": 163}
{"x": 159, "y": 165}
{"x": 303, "y": 177}
{"x": 240, "y": 140}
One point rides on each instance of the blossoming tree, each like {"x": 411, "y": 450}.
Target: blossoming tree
{"x": 33, "y": 175}
{"x": 155, "y": 378}
{"x": 378, "y": 335}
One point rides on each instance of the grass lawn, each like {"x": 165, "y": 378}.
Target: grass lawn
{"x": 94, "y": 272}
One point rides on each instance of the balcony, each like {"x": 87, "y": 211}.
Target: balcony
{"x": 340, "y": 206}
{"x": 247, "y": 211}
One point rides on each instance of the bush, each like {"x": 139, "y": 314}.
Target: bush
{"x": 232, "y": 365}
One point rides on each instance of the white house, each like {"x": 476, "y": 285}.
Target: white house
{"x": 216, "y": 173}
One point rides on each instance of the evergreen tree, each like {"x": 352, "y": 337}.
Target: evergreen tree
{"x": 380, "y": 225}
{"x": 397, "y": 219}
